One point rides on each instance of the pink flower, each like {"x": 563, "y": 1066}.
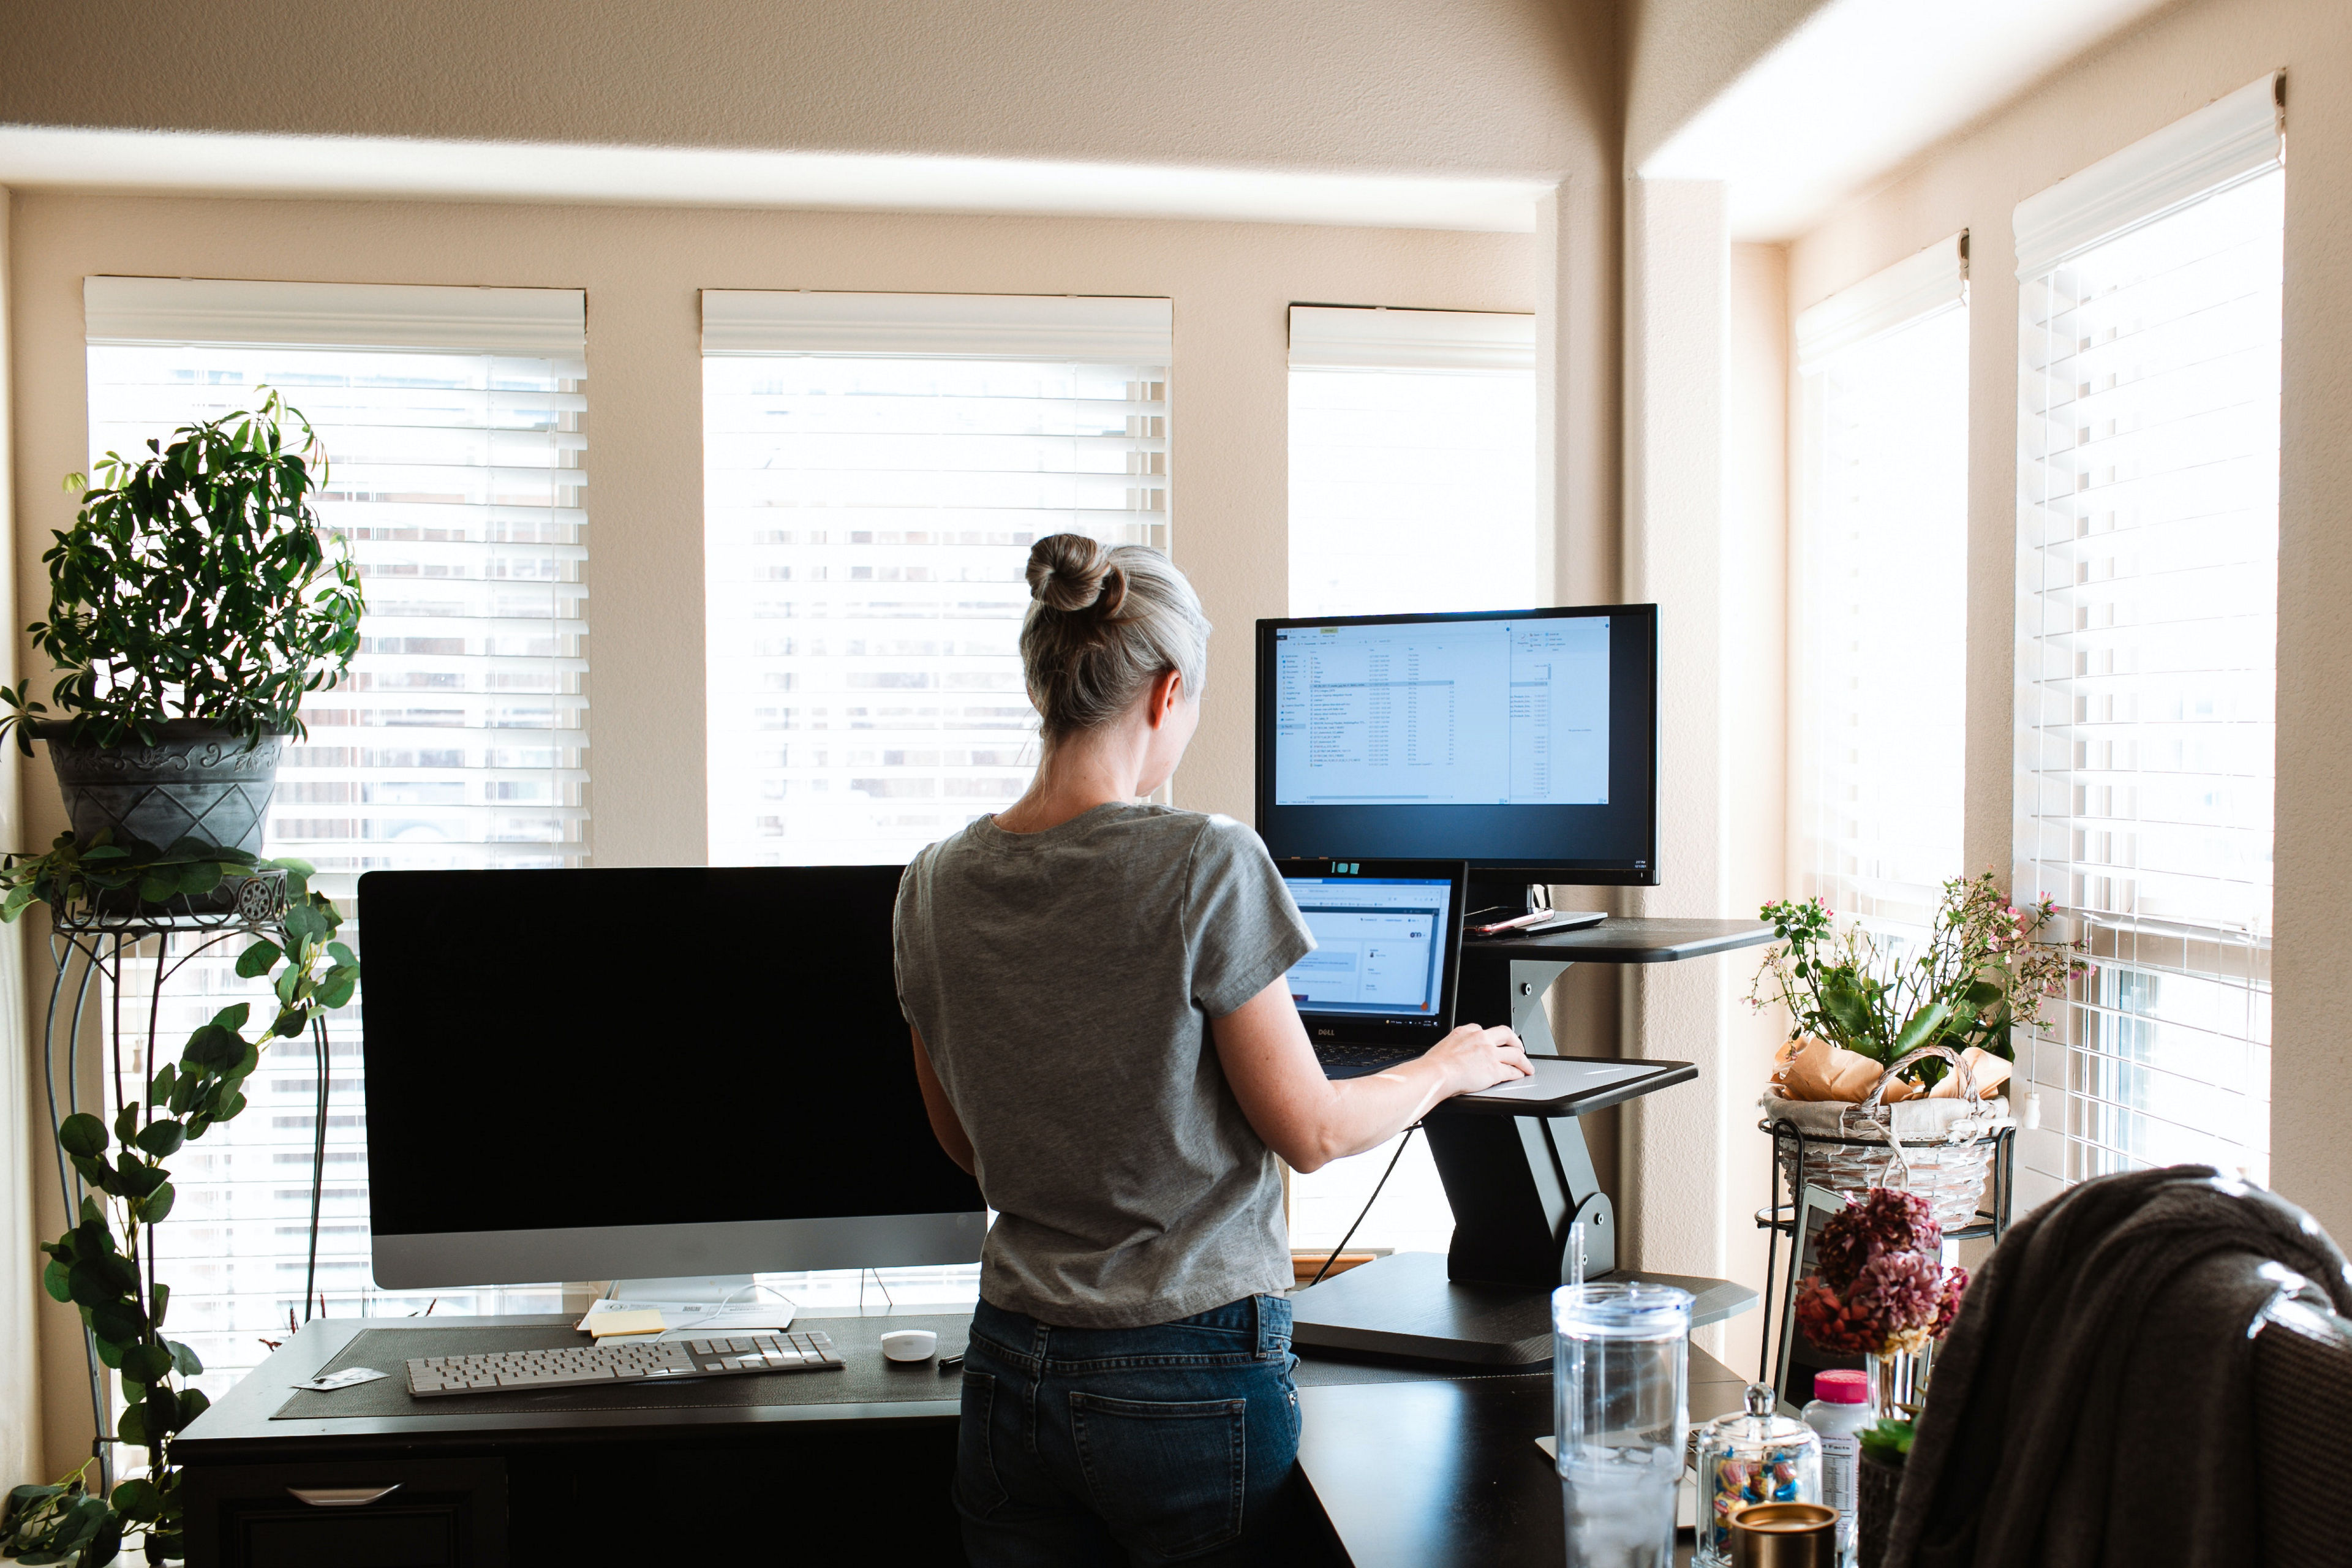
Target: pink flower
{"x": 1881, "y": 1286}
{"x": 1899, "y": 1301}
{"x": 1884, "y": 1220}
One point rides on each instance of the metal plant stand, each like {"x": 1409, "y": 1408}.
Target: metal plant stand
{"x": 107, "y": 935}
{"x": 1788, "y": 1187}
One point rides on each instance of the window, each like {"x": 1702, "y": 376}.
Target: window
{"x": 1881, "y": 589}
{"x": 454, "y": 421}
{"x": 877, "y": 466}
{"x": 2148, "y": 532}
{"x": 1413, "y": 453}
{"x": 1412, "y": 457}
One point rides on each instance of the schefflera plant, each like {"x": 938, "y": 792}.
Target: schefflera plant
{"x": 105, "y": 1266}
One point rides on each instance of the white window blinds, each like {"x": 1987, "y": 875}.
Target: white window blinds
{"x": 2148, "y": 530}
{"x": 1880, "y": 589}
{"x": 877, "y": 466}
{"x": 1412, "y": 450}
{"x": 454, "y": 420}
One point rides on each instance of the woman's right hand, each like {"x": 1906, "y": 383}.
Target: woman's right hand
{"x": 1473, "y": 1059}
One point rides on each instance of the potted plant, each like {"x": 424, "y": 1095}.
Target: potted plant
{"x": 194, "y": 602}
{"x": 1856, "y": 1004}
{"x": 1901, "y": 1051}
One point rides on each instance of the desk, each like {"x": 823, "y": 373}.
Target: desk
{"x": 1436, "y": 1473}
{"x": 1409, "y": 1465}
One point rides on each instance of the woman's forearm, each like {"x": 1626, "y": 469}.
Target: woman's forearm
{"x": 1310, "y": 1120}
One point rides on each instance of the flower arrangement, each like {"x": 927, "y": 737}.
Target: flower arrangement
{"x": 1984, "y": 969}
{"x": 1882, "y": 1288}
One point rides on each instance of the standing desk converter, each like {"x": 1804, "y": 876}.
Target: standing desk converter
{"x": 1517, "y": 1172}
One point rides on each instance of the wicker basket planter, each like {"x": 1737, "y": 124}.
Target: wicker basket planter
{"x": 1940, "y": 1149}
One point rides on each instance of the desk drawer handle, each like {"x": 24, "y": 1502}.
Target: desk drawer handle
{"x": 341, "y": 1496}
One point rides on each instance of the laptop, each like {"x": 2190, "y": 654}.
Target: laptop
{"x": 1379, "y": 988}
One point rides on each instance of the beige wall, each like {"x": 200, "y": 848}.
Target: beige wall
{"x": 1230, "y": 283}
{"x": 23, "y": 1128}
{"x": 1491, "y": 86}
{"x": 1706, "y": 539}
{"x": 2146, "y": 80}
{"x": 1681, "y": 54}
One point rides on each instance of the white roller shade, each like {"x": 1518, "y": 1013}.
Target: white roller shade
{"x": 2229, "y": 140}
{"x": 345, "y": 316}
{"x": 1082, "y": 330}
{"x": 1328, "y": 337}
{"x": 1902, "y": 295}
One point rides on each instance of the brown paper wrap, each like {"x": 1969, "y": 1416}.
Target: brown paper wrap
{"x": 1815, "y": 1069}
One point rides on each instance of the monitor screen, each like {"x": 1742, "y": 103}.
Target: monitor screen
{"x": 1379, "y": 947}
{"x": 1516, "y": 740}
{"x": 714, "y": 1055}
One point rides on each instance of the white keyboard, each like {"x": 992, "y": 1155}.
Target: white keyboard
{"x": 583, "y": 1366}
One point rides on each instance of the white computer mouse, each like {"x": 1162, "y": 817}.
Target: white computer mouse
{"x": 910, "y": 1345}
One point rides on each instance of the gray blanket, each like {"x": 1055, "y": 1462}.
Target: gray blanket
{"x": 2094, "y": 1405}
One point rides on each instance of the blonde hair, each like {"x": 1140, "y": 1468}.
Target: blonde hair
{"x": 1101, "y": 625}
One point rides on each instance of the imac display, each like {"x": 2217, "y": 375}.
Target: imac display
{"x": 659, "y": 1073}
{"x": 1518, "y": 741}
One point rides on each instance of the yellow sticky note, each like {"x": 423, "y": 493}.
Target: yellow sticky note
{"x": 604, "y": 1325}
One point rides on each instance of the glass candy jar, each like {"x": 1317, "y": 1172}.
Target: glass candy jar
{"x": 1753, "y": 1456}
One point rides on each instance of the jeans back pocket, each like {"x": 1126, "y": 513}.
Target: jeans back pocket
{"x": 1165, "y": 1475}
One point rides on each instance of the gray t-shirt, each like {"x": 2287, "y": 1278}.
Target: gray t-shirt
{"x": 1064, "y": 981}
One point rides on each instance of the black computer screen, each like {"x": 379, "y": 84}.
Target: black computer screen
{"x": 1522, "y": 739}
{"x": 556, "y": 1049}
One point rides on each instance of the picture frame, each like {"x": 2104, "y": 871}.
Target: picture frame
{"x": 1796, "y": 1359}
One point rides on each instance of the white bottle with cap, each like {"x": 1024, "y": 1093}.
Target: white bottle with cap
{"x": 1840, "y": 1413}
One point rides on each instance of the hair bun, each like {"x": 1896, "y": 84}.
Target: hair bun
{"x": 1069, "y": 571}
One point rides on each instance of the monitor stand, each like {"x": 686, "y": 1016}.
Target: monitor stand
{"x": 701, "y": 1290}
{"x": 1516, "y": 1184}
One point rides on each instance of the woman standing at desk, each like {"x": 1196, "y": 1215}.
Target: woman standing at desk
{"x": 1067, "y": 966}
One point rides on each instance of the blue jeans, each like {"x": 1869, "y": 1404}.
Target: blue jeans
{"x": 1171, "y": 1444}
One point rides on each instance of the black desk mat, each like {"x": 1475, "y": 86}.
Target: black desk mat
{"x": 866, "y": 1376}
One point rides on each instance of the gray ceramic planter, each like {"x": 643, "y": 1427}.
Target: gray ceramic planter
{"x": 196, "y": 782}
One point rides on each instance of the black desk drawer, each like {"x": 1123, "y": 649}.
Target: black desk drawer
{"x": 401, "y": 1513}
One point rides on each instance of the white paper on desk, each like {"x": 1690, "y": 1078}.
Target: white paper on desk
{"x": 700, "y": 1320}
{"x": 350, "y": 1377}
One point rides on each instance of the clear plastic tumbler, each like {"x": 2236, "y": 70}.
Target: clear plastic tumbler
{"x": 1621, "y": 1359}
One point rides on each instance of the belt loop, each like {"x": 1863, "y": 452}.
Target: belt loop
{"x": 1258, "y": 1315}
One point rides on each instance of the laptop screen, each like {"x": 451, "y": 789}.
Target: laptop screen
{"x": 1379, "y": 945}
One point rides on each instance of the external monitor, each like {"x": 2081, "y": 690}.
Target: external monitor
{"x": 1524, "y": 742}
{"x": 1388, "y": 947}
{"x": 620, "y": 1073}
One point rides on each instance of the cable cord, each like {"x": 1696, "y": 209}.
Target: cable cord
{"x": 318, "y": 1164}
{"x": 1366, "y": 1208}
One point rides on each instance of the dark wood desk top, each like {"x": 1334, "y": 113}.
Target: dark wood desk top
{"x": 1623, "y": 940}
{"x": 263, "y": 1418}
{"x": 1437, "y": 1473}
